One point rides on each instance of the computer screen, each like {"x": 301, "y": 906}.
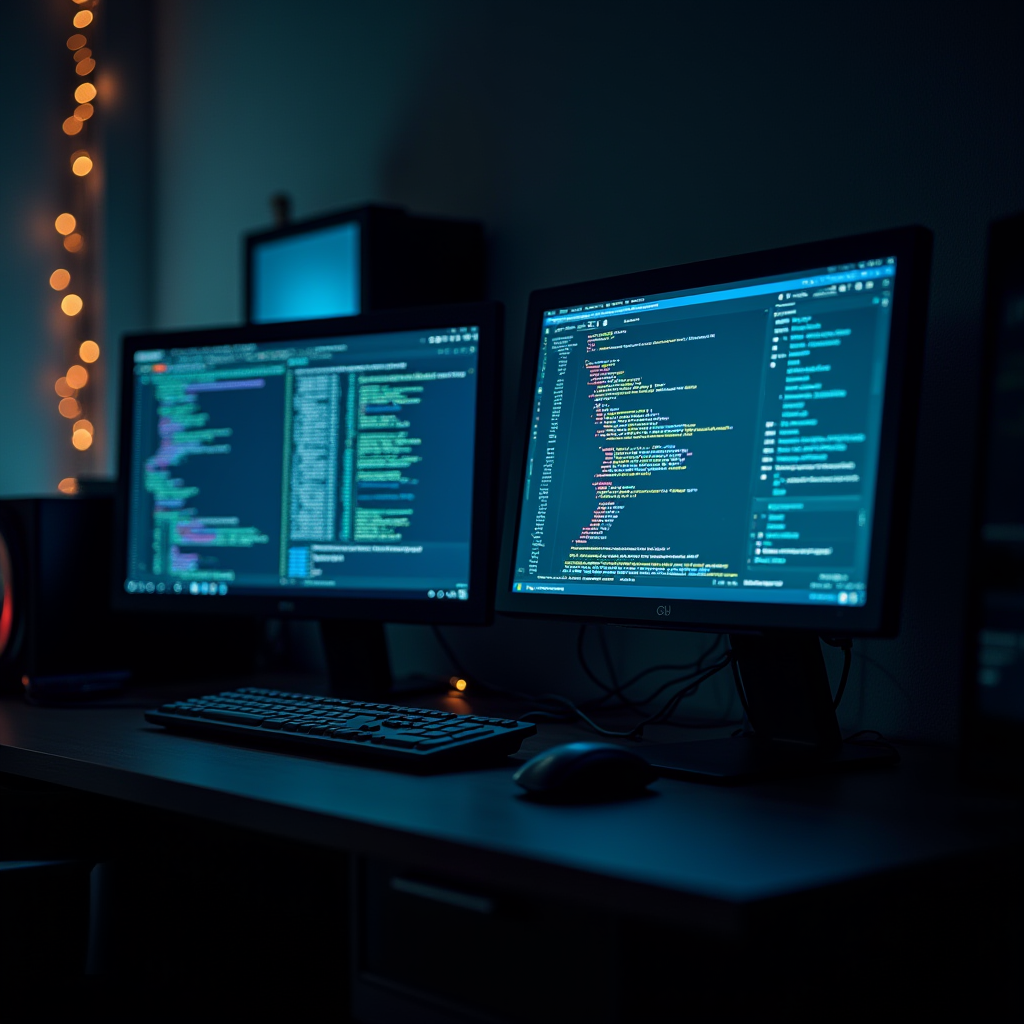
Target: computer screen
{"x": 714, "y": 444}
{"x": 307, "y": 274}
{"x": 341, "y": 461}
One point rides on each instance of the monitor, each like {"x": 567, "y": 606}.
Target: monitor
{"x": 308, "y": 274}
{"x": 335, "y": 469}
{"x": 361, "y": 260}
{"x": 726, "y": 446}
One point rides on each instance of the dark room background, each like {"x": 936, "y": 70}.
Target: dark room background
{"x": 591, "y": 139}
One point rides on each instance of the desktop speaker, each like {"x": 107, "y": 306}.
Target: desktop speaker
{"x": 56, "y": 621}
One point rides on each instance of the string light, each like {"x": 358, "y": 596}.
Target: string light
{"x": 74, "y": 231}
{"x": 81, "y": 164}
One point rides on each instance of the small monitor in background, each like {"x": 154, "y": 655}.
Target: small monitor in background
{"x": 307, "y": 275}
{"x": 994, "y": 706}
{"x": 338, "y": 469}
{"x": 727, "y": 446}
{"x": 362, "y": 260}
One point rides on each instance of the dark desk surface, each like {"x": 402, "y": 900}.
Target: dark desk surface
{"x": 688, "y": 851}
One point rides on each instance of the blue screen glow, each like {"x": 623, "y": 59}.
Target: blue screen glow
{"x": 307, "y": 276}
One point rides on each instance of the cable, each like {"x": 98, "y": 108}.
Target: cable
{"x": 556, "y": 707}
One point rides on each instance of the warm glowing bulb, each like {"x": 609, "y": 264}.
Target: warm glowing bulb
{"x": 84, "y": 425}
{"x": 71, "y": 304}
{"x": 81, "y": 439}
{"x": 83, "y": 54}
{"x": 63, "y": 388}
{"x": 81, "y": 19}
{"x": 88, "y": 351}
{"x": 85, "y": 93}
{"x": 71, "y": 126}
{"x": 460, "y": 685}
{"x": 76, "y": 42}
{"x": 59, "y": 280}
{"x": 69, "y": 408}
{"x": 84, "y": 111}
{"x": 65, "y": 224}
{"x": 81, "y": 166}
{"x": 83, "y": 67}
{"x": 69, "y": 485}
{"x": 78, "y": 377}
{"x": 73, "y": 242}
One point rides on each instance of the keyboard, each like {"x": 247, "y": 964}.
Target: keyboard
{"x": 386, "y": 735}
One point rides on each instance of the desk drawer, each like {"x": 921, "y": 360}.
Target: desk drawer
{"x": 431, "y": 948}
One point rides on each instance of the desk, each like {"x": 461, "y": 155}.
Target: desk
{"x": 706, "y": 857}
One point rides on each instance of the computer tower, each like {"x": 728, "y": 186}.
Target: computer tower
{"x": 57, "y": 626}
{"x": 54, "y": 568}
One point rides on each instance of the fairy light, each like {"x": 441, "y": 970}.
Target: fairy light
{"x": 74, "y": 229}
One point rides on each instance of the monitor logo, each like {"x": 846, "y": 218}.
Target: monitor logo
{"x": 664, "y": 610}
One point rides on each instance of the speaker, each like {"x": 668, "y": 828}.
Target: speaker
{"x": 56, "y": 561}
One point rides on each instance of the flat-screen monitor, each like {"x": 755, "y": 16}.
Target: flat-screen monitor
{"x": 308, "y": 274}
{"x": 317, "y": 469}
{"x": 724, "y": 445}
{"x": 361, "y": 260}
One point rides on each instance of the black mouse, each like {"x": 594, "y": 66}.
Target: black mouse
{"x": 585, "y": 772}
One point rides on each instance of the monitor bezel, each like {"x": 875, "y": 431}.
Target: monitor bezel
{"x": 477, "y": 610}
{"x": 880, "y": 616}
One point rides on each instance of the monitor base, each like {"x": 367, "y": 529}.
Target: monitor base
{"x": 357, "y": 659}
{"x": 742, "y": 759}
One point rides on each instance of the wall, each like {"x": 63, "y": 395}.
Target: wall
{"x": 599, "y": 138}
{"x": 34, "y": 449}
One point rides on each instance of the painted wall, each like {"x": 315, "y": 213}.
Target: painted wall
{"x": 599, "y": 138}
{"x": 34, "y": 448}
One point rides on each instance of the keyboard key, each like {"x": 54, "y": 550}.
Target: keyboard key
{"x": 232, "y": 716}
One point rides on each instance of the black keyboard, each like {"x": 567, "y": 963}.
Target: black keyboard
{"x": 387, "y": 735}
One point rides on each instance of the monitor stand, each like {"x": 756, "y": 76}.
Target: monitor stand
{"x": 357, "y": 659}
{"x": 789, "y": 708}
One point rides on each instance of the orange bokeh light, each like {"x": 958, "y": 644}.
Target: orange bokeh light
{"x": 71, "y": 304}
{"x": 59, "y": 280}
{"x": 84, "y": 54}
{"x": 63, "y": 388}
{"x": 69, "y": 408}
{"x": 81, "y": 19}
{"x": 65, "y": 224}
{"x": 85, "y": 93}
{"x": 71, "y": 126}
{"x": 85, "y": 425}
{"x": 81, "y": 439}
{"x": 76, "y": 42}
{"x": 69, "y": 485}
{"x": 81, "y": 166}
{"x": 88, "y": 351}
{"x": 73, "y": 243}
{"x": 84, "y": 111}
{"x": 83, "y": 67}
{"x": 78, "y": 377}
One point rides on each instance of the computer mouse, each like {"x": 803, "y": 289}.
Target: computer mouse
{"x": 585, "y": 773}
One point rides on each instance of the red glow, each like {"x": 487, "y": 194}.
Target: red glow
{"x": 7, "y": 596}
{"x": 159, "y": 367}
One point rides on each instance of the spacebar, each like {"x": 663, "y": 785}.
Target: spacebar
{"x": 238, "y": 717}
